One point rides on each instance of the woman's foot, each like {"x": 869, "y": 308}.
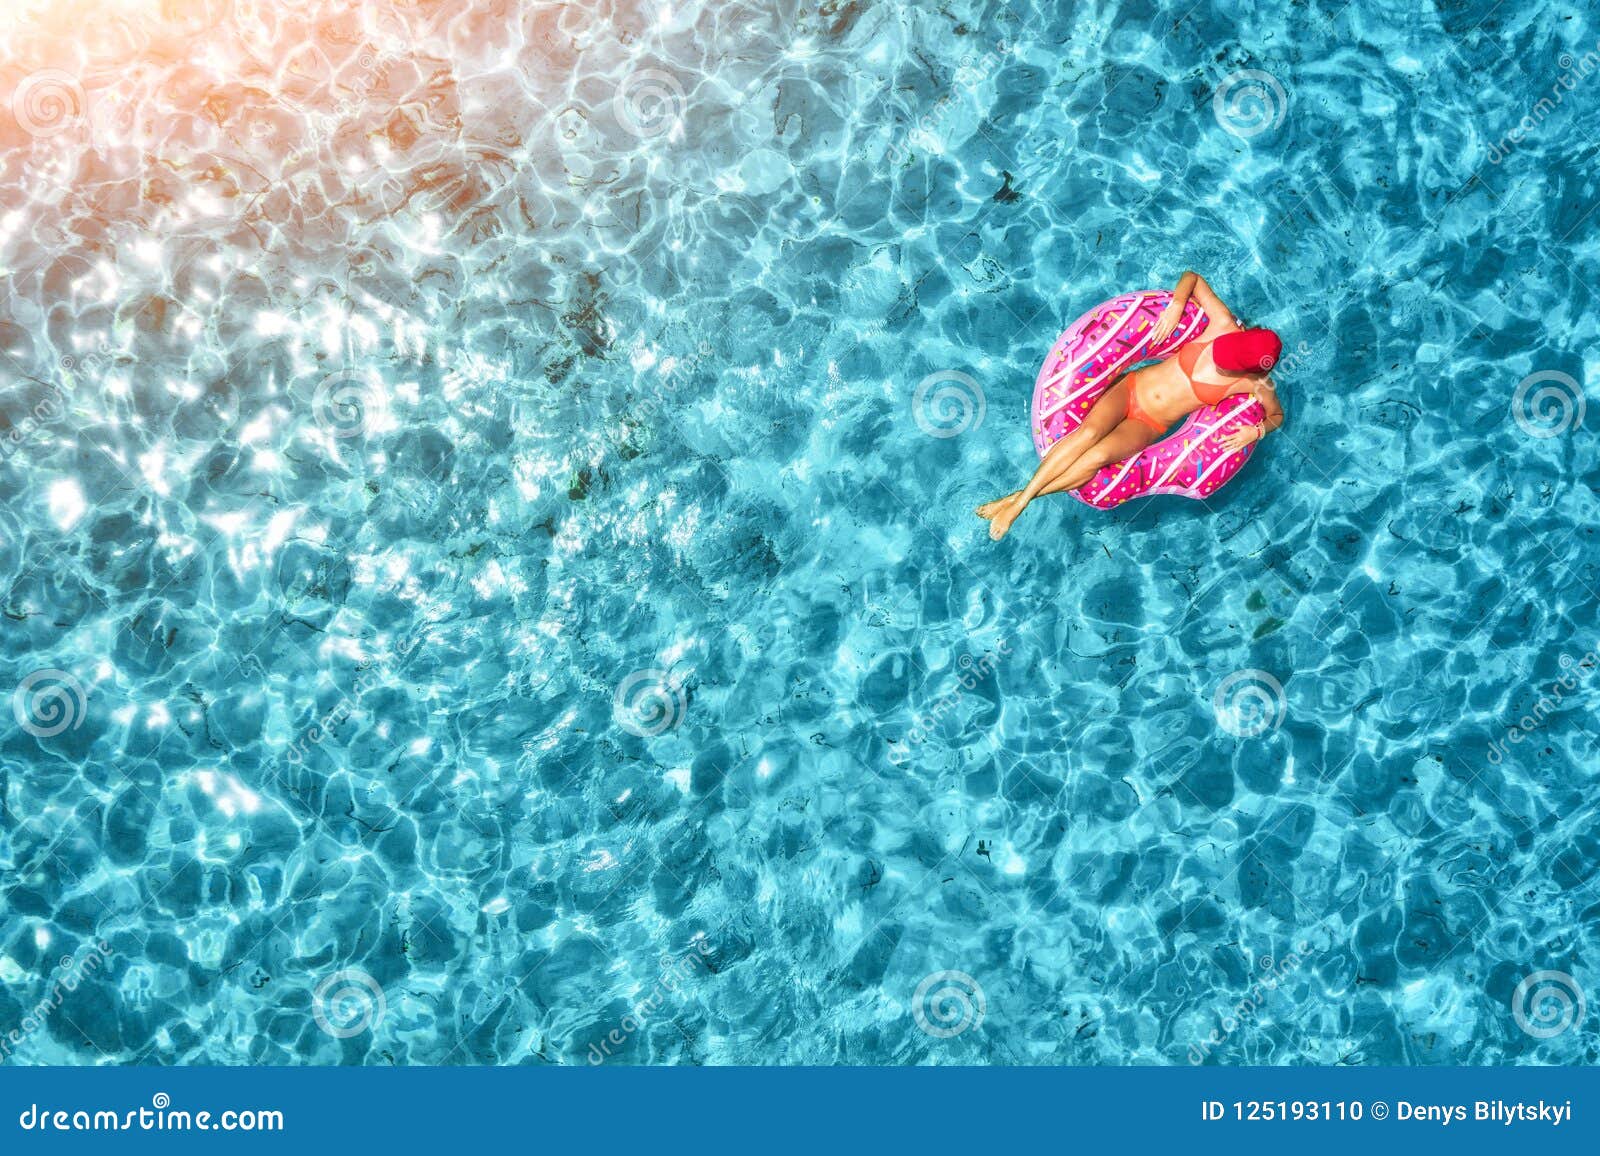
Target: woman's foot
{"x": 1000, "y": 522}
{"x": 990, "y": 509}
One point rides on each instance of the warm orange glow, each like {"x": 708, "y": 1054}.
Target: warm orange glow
{"x": 69, "y": 17}
{"x": 64, "y": 12}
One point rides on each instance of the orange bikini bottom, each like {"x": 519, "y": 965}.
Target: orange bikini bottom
{"x": 1137, "y": 413}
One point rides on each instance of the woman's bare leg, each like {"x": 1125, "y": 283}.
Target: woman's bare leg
{"x": 1123, "y": 442}
{"x": 989, "y": 509}
{"x": 1055, "y": 487}
{"x": 1101, "y": 419}
{"x": 1057, "y": 459}
{"x": 1128, "y": 439}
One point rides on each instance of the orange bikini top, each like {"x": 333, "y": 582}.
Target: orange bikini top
{"x": 1188, "y": 358}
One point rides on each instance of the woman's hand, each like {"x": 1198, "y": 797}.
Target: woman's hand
{"x": 1167, "y": 322}
{"x": 1249, "y": 435}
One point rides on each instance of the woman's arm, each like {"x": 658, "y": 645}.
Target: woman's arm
{"x": 1173, "y": 313}
{"x": 1266, "y": 393}
{"x": 1185, "y": 287}
{"x": 1221, "y": 316}
{"x": 1192, "y": 285}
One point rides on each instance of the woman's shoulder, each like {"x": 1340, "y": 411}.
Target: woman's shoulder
{"x": 1256, "y": 384}
{"x": 1217, "y": 326}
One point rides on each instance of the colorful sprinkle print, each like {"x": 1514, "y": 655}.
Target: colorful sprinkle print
{"x": 1088, "y": 358}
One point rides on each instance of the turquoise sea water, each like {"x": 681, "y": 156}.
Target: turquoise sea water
{"x": 489, "y": 570}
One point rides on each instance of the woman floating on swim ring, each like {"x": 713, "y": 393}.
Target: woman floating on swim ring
{"x": 1214, "y": 359}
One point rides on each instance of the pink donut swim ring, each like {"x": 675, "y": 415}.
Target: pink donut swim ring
{"x": 1085, "y": 361}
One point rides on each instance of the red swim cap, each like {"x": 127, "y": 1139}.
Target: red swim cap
{"x": 1247, "y": 351}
